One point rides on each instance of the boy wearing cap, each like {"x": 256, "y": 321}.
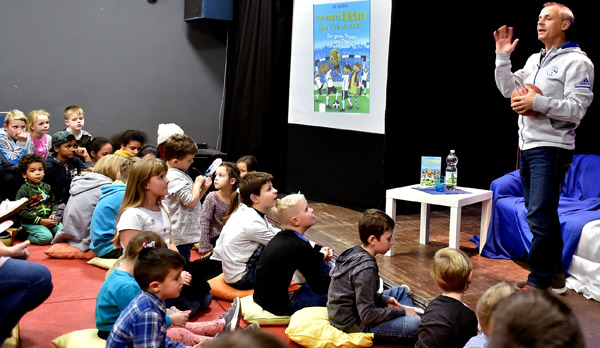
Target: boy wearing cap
{"x": 62, "y": 165}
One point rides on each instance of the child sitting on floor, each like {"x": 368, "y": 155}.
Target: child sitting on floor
{"x": 38, "y": 123}
{"x": 143, "y": 322}
{"x": 485, "y": 306}
{"x": 216, "y": 205}
{"x": 37, "y": 217}
{"x": 287, "y": 252}
{"x": 183, "y": 200}
{"x": 246, "y": 231}
{"x": 13, "y": 141}
{"x": 142, "y": 210}
{"x": 104, "y": 217}
{"x": 85, "y": 191}
{"x": 447, "y": 321}
{"x": 75, "y": 121}
{"x": 120, "y": 288}
{"x": 354, "y": 304}
{"x": 534, "y": 319}
{"x": 246, "y": 164}
{"x": 130, "y": 143}
{"x": 98, "y": 148}
{"x": 62, "y": 165}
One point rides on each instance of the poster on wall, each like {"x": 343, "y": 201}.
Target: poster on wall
{"x": 341, "y": 53}
{"x": 338, "y": 72}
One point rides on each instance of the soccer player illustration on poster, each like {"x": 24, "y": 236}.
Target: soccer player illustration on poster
{"x": 341, "y": 48}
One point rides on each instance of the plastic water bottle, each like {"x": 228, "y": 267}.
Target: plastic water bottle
{"x": 451, "y": 173}
{"x": 213, "y": 167}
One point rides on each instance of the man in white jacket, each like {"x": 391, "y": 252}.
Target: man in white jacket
{"x": 565, "y": 75}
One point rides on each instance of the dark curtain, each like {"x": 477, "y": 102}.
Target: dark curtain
{"x": 257, "y": 84}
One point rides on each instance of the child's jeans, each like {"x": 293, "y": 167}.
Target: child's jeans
{"x": 185, "y": 250}
{"x": 39, "y": 234}
{"x": 247, "y": 281}
{"x": 305, "y": 297}
{"x": 401, "y": 328}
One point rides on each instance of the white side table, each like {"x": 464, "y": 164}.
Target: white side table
{"x": 454, "y": 201}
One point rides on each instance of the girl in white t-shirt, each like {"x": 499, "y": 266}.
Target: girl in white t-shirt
{"x": 142, "y": 211}
{"x": 142, "y": 208}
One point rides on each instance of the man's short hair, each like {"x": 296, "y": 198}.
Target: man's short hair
{"x": 374, "y": 222}
{"x": 177, "y": 146}
{"x": 451, "y": 269}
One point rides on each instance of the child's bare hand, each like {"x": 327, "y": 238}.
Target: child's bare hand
{"x": 180, "y": 318}
{"x": 22, "y": 136}
{"x": 48, "y": 223}
{"x": 409, "y": 310}
{"x": 327, "y": 252}
{"x": 207, "y": 182}
{"x": 392, "y": 302}
{"x": 82, "y": 151}
{"x": 186, "y": 277}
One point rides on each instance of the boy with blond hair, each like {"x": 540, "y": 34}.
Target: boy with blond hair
{"x": 14, "y": 140}
{"x": 75, "y": 120}
{"x": 485, "y": 306}
{"x": 447, "y": 321}
{"x": 183, "y": 200}
{"x": 287, "y": 252}
{"x": 354, "y": 303}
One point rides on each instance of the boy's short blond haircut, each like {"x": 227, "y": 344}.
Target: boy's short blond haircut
{"x": 15, "y": 115}
{"x": 487, "y": 302}
{"x": 451, "y": 269}
{"x": 178, "y": 146}
{"x": 283, "y": 209}
{"x": 73, "y": 109}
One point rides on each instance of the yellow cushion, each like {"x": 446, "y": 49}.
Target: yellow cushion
{"x": 222, "y": 290}
{"x": 65, "y": 251}
{"x": 310, "y": 327}
{"x": 253, "y": 313}
{"x": 102, "y": 263}
{"x": 13, "y": 340}
{"x": 82, "y": 338}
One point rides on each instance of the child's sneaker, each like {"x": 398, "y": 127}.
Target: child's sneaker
{"x": 253, "y": 326}
{"x": 232, "y": 315}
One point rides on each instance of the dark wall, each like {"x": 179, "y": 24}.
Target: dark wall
{"x": 441, "y": 96}
{"x": 129, "y": 64}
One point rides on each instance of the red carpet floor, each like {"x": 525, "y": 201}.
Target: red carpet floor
{"x": 72, "y": 303}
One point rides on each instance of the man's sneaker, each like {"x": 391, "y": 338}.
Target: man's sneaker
{"x": 523, "y": 285}
{"x": 558, "y": 284}
{"x": 232, "y": 315}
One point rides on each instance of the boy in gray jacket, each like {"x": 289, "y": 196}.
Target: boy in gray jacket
{"x": 354, "y": 305}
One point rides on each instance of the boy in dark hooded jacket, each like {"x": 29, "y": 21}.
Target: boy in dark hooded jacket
{"x": 354, "y": 305}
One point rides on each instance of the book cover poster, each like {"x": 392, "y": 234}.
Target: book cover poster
{"x": 430, "y": 169}
{"x": 341, "y": 47}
